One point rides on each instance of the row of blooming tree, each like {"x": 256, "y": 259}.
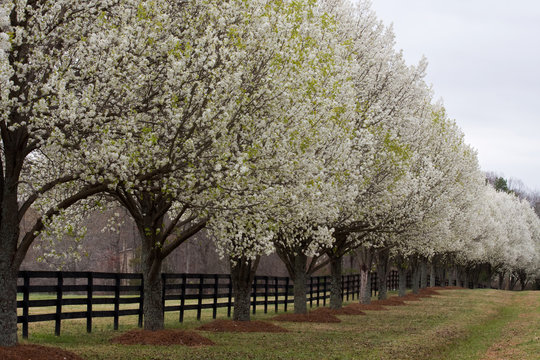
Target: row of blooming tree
{"x": 280, "y": 126}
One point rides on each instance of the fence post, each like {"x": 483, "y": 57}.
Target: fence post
{"x": 286, "y": 293}
{"x": 26, "y": 300}
{"x": 254, "y": 295}
{"x": 59, "y": 295}
{"x": 183, "y": 297}
{"x": 200, "y": 295}
{"x": 324, "y": 291}
{"x": 216, "y": 289}
{"x": 116, "y": 300}
{"x": 311, "y": 291}
{"x": 276, "y": 292}
{"x": 358, "y": 280}
{"x": 163, "y": 291}
{"x": 318, "y": 290}
{"x": 89, "y": 298}
{"x": 266, "y": 294}
{"x": 229, "y": 300}
{"x": 141, "y": 303}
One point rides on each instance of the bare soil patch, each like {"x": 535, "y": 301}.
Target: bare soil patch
{"x": 347, "y": 310}
{"x": 241, "y": 326}
{"x": 162, "y": 337}
{"x": 314, "y": 317}
{"x": 36, "y": 352}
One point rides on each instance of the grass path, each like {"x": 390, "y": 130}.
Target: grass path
{"x": 458, "y": 324}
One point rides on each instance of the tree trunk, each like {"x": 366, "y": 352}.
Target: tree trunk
{"x": 382, "y": 272}
{"x": 501, "y": 281}
{"x": 402, "y": 280}
{"x": 8, "y": 305}
{"x": 242, "y": 275}
{"x": 300, "y": 300}
{"x": 9, "y": 235}
{"x": 475, "y": 275}
{"x": 336, "y": 301}
{"x": 442, "y": 276}
{"x": 423, "y": 274}
{"x": 432, "y": 274}
{"x": 365, "y": 286}
{"x": 365, "y": 257}
{"x": 153, "y": 300}
{"x": 513, "y": 282}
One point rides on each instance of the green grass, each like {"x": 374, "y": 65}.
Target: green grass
{"x": 458, "y": 324}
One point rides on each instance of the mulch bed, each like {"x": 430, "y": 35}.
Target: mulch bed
{"x": 373, "y": 306}
{"x": 393, "y": 301}
{"x": 36, "y": 352}
{"x": 241, "y": 326}
{"x": 450, "y": 288}
{"x": 161, "y": 337}
{"x": 347, "y": 310}
{"x": 429, "y": 291}
{"x": 314, "y": 317}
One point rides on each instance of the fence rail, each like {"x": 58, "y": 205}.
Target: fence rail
{"x": 181, "y": 292}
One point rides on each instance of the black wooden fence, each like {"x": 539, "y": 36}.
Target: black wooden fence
{"x": 123, "y": 294}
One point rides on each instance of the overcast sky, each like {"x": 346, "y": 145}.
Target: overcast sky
{"x": 484, "y": 62}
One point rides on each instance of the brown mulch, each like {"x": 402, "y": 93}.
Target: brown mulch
{"x": 450, "y": 288}
{"x": 393, "y": 301}
{"x": 412, "y": 297}
{"x": 373, "y": 306}
{"x": 314, "y": 317}
{"x": 347, "y": 310}
{"x": 161, "y": 337}
{"x": 36, "y": 352}
{"x": 241, "y": 326}
{"x": 429, "y": 291}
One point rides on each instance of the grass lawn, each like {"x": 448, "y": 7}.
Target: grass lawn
{"x": 458, "y": 324}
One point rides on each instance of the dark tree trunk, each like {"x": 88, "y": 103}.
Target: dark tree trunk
{"x": 383, "y": 268}
{"x": 8, "y": 305}
{"x": 475, "y": 276}
{"x": 402, "y": 266}
{"x": 423, "y": 274}
{"x": 365, "y": 286}
{"x": 153, "y": 301}
{"x": 9, "y": 234}
{"x": 452, "y": 277}
{"x": 336, "y": 302}
{"x": 415, "y": 278}
{"x": 432, "y": 275}
{"x": 242, "y": 275}
{"x": 522, "y": 279}
{"x": 501, "y": 280}
{"x": 442, "y": 276}
{"x": 402, "y": 271}
{"x": 365, "y": 257}
{"x": 513, "y": 282}
{"x": 300, "y": 300}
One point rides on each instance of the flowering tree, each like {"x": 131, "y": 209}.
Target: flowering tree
{"x": 389, "y": 97}
{"x": 292, "y": 178}
{"x": 69, "y": 90}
